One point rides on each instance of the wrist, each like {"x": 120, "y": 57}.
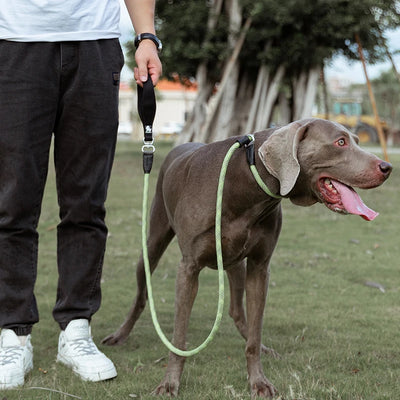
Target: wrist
{"x": 148, "y": 36}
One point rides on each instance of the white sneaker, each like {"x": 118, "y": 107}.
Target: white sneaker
{"x": 16, "y": 360}
{"x": 77, "y": 350}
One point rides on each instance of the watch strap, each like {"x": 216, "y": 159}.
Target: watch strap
{"x": 150, "y": 36}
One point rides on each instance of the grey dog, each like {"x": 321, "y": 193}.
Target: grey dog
{"x": 307, "y": 161}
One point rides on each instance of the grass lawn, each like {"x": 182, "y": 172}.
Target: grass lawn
{"x": 338, "y": 336}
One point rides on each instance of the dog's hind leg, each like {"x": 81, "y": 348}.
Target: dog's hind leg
{"x": 160, "y": 235}
{"x": 186, "y": 290}
{"x": 237, "y": 281}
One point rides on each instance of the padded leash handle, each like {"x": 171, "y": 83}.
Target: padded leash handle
{"x": 147, "y": 111}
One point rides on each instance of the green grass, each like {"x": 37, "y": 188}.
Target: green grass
{"x": 338, "y": 338}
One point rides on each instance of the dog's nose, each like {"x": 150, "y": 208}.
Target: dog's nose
{"x": 385, "y": 168}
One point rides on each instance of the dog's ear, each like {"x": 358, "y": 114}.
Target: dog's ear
{"x": 279, "y": 154}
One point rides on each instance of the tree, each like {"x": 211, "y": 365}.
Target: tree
{"x": 259, "y": 61}
{"x": 386, "y": 88}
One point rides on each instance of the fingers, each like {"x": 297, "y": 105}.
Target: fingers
{"x": 148, "y": 63}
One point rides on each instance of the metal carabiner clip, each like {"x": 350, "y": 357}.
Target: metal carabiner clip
{"x": 148, "y": 149}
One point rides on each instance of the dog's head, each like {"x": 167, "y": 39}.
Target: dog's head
{"x": 320, "y": 161}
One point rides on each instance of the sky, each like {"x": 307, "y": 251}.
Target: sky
{"x": 353, "y": 72}
{"x": 340, "y": 68}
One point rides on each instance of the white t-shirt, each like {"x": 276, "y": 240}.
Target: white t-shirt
{"x": 58, "y": 20}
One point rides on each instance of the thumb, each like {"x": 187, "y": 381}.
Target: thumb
{"x": 143, "y": 73}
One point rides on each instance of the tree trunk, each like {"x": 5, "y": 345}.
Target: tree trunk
{"x": 299, "y": 88}
{"x": 260, "y": 88}
{"x": 304, "y": 90}
{"x": 270, "y": 96}
{"x": 220, "y": 126}
{"x": 242, "y": 106}
{"x": 206, "y": 133}
{"x": 198, "y": 115}
{"x": 324, "y": 93}
{"x": 284, "y": 111}
{"x": 311, "y": 90}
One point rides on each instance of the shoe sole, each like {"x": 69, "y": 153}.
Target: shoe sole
{"x": 89, "y": 376}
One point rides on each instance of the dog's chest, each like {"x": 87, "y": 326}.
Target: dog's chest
{"x": 238, "y": 240}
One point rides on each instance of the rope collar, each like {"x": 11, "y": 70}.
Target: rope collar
{"x": 248, "y": 142}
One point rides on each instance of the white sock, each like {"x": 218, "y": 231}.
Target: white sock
{"x": 22, "y": 339}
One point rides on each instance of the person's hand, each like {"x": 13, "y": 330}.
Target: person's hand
{"x": 147, "y": 62}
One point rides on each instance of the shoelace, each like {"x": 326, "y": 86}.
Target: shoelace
{"x": 84, "y": 347}
{"x": 10, "y": 355}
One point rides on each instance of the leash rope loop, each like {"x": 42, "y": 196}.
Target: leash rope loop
{"x": 220, "y": 263}
{"x": 147, "y": 109}
{"x": 217, "y": 322}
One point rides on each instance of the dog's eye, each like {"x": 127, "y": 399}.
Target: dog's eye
{"x": 341, "y": 142}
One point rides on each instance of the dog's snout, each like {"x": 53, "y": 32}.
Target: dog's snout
{"x": 385, "y": 168}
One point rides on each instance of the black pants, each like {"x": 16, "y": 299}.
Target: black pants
{"x": 69, "y": 89}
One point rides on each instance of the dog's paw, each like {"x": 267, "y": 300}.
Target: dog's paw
{"x": 263, "y": 388}
{"x": 270, "y": 352}
{"x": 166, "y": 388}
{"x": 114, "y": 339}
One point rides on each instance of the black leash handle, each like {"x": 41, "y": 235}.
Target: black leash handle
{"x": 147, "y": 111}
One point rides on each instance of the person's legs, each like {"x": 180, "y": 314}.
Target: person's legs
{"x": 28, "y": 104}
{"x": 85, "y": 137}
{"x": 28, "y": 101}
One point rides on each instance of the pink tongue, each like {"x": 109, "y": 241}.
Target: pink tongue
{"x": 352, "y": 202}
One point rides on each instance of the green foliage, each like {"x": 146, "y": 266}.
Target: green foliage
{"x": 386, "y": 89}
{"x": 387, "y": 93}
{"x": 297, "y": 33}
{"x": 305, "y": 32}
{"x": 183, "y": 27}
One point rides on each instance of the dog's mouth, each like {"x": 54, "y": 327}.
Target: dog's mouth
{"x": 343, "y": 199}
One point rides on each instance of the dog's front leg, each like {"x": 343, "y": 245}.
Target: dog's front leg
{"x": 185, "y": 293}
{"x": 237, "y": 279}
{"x": 256, "y": 292}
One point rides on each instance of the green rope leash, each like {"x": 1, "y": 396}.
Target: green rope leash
{"x": 221, "y": 290}
{"x": 218, "y": 245}
{"x": 248, "y": 141}
{"x": 262, "y": 185}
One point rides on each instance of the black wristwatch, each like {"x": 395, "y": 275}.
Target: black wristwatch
{"x": 150, "y": 36}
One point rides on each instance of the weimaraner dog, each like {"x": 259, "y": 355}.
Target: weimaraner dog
{"x": 307, "y": 161}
